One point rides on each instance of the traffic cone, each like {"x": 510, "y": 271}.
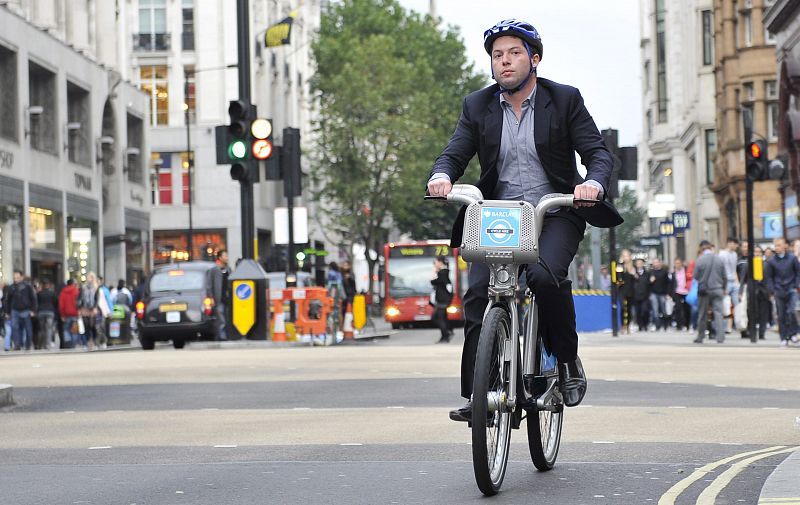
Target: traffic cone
{"x": 348, "y": 323}
{"x": 279, "y": 328}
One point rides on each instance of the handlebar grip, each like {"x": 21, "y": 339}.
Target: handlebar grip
{"x": 581, "y": 200}
{"x": 439, "y": 198}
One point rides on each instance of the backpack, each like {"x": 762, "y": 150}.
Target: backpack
{"x": 123, "y": 298}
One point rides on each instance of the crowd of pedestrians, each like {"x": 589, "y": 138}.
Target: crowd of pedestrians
{"x": 707, "y": 294}
{"x": 37, "y": 314}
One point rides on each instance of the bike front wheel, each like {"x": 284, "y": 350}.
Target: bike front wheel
{"x": 544, "y": 425}
{"x": 491, "y": 420}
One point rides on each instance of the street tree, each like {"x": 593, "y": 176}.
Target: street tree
{"x": 388, "y": 88}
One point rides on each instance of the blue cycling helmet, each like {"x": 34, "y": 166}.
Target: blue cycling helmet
{"x": 514, "y": 28}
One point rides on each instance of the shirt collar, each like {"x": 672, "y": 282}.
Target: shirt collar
{"x": 530, "y": 98}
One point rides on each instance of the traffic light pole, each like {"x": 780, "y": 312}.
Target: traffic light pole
{"x": 246, "y": 186}
{"x": 751, "y": 243}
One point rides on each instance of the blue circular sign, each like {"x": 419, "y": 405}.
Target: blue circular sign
{"x": 243, "y": 292}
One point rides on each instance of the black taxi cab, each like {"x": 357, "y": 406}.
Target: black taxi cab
{"x": 178, "y": 305}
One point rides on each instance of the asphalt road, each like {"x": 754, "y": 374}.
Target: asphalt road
{"x": 368, "y": 424}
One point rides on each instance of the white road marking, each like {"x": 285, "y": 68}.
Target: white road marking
{"x": 226, "y": 446}
{"x": 99, "y": 447}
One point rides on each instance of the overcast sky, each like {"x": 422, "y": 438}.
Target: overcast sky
{"x": 588, "y": 44}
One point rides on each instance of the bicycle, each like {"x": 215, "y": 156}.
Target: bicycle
{"x": 504, "y": 234}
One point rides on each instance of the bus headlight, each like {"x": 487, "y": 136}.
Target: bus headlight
{"x": 453, "y": 309}
{"x": 392, "y": 312}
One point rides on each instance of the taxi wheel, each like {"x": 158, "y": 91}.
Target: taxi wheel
{"x": 178, "y": 344}
{"x": 147, "y": 343}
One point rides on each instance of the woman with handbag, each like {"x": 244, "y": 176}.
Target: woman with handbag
{"x": 68, "y": 311}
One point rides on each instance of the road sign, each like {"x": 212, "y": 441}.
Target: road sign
{"x": 244, "y": 306}
{"x": 681, "y": 221}
{"x": 650, "y": 241}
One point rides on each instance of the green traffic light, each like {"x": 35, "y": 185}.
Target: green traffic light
{"x": 237, "y": 149}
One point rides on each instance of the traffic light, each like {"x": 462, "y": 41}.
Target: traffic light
{"x": 290, "y": 163}
{"x": 261, "y": 133}
{"x": 243, "y": 167}
{"x": 757, "y": 160}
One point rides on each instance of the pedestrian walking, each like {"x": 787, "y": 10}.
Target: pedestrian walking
{"x": 710, "y": 274}
{"x": 68, "y": 311}
{"x": 22, "y": 306}
{"x": 221, "y": 293}
{"x": 46, "y": 337}
{"x": 641, "y": 294}
{"x": 782, "y": 274}
{"x": 441, "y": 297}
{"x": 348, "y": 286}
{"x": 730, "y": 258}
{"x": 659, "y": 280}
{"x": 679, "y": 288}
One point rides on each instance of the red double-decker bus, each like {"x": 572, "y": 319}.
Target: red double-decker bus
{"x": 408, "y": 270}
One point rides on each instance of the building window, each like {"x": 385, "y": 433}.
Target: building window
{"x": 189, "y": 93}
{"x": 152, "y": 34}
{"x": 12, "y": 240}
{"x": 79, "y": 129}
{"x": 162, "y": 166}
{"x": 748, "y": 92}
{"x": 708, "y": 39}
{"x": 132, "y": 162}
{"x": 747, "y": 18}
{"x": 771, "y": 90}
{"x": 661, "y": 61}
{"x": 772, "y": 121}
{"x": 711, "y": 152}
{"x": 187, "y": 36}
{"x": 42, "y": 114}
{"x": 8, "y": 94}
{"x": 153, "y": 81}
{"x": 769, "y": 37}
{"x": 185, "y": 189}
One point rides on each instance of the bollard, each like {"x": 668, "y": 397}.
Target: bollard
{"x": 348, "y": 323}
{"x": 279, "y": 331}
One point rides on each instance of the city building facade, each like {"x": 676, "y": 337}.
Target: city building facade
{"x": 678, "y": 144}
{"x": 183, "y": 55}
{"x": 783, "y": 20}
{"x": 746, "y": 87}
{"x": 73, "y": 149}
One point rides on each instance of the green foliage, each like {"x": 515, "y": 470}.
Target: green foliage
{"x": 389, "y": 86}
{"x": 627, "y": 234}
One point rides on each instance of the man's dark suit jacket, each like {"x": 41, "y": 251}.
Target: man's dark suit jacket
{"x": 562, "y": 126}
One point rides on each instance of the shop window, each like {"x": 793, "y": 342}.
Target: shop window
{"x": 45, "y": 229}
{"x": 11, "y": 240}
{"x": 173, "y": 246}
{"x": 82, "y": 247}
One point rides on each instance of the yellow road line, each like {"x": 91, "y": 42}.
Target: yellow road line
{"x": 679, "y": 487}
{"x": 709, "y": 494}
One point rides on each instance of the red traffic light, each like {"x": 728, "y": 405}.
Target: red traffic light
{"x": 755, "y": 150}
{"x": 262, "y": 149}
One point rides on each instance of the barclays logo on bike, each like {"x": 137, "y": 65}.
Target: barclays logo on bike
{"x": 500, "y": 227}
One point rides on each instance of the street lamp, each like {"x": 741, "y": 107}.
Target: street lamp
{"x": 189, "y": 152}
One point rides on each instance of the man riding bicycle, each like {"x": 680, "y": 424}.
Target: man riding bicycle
{"x": 525, "y": 131}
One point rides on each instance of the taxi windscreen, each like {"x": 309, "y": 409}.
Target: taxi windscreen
{"x": 177, "y": 280}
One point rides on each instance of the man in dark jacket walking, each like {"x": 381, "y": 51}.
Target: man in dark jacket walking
{"x": 783, "y": 280}
{"x": 659, "y": 280}
{"x": 48, "y": 310}
{"x": 22, "y": 306}
{"x": 441, "y": 297}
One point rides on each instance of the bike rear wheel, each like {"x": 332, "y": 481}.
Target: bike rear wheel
{"x": 491, "y": 421}
{"x": 544, "y": 426}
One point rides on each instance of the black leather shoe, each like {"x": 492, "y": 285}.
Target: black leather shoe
{"x": 462, "y": 414}
{"x": 572, "y": 382}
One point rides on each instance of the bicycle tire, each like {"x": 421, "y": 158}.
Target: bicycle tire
{"x": 544, "y": 426}
{"x": 491, "y": 422}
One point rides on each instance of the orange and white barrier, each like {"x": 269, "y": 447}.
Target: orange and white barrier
{"x": 348, "y": 323}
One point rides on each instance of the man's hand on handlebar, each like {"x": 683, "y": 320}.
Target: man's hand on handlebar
{"x": 439, "y": 187}
{"x": 584, "y": 192}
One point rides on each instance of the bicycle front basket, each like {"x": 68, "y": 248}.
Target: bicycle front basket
{"x": 500, "y": 231}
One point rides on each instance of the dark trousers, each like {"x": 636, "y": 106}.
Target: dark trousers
{"x": 642, "y": 313}
{"x": 558, "y": 243}
{"x": 439, "y": 319}
{"x": 682, "y": 312}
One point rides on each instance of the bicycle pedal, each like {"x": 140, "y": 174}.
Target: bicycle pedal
{"x": 536, "y": 385}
